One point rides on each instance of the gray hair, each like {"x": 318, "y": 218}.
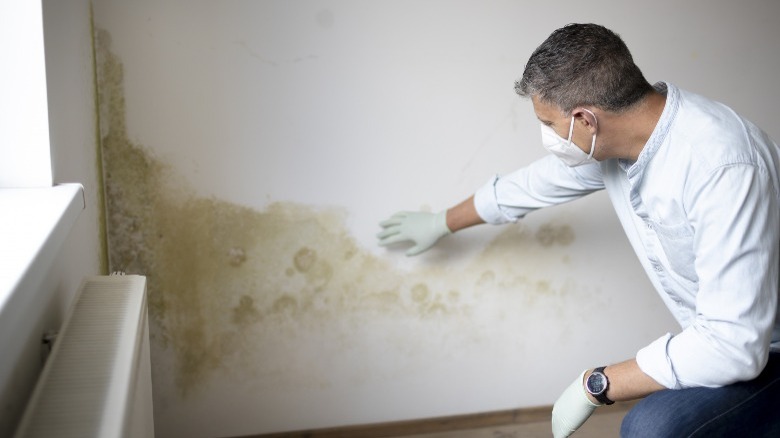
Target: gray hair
{"x": 583, "y": 64}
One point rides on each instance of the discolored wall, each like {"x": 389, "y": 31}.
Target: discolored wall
{"x": 249, "y": 151}
{"x": 284, "y": 297}
{"x": 230, "y": 286}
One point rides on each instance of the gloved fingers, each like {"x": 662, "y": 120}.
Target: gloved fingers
{"x": 396, "y": 238}
{"x": 387, "y": 232}
{"x": 417, "y": 249}
{"x": 396, "y": 219}
{"x": 420, "y": 228}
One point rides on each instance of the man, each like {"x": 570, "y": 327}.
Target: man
{"x": 695, "y": 187}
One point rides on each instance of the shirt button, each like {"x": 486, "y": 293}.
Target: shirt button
{"x": 658, "y": 268}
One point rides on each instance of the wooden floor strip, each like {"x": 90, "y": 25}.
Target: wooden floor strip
{"x": 432, "y": 425}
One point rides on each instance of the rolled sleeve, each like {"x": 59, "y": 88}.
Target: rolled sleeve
{"x": 543, "y": 183}
{"x": 690, "y": 360}
{"x": 486, "y": 204}
{"x": 654, "y": 361}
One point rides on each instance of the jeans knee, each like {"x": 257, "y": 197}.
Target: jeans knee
{"x": 633, "y": 423}
{"x": 644, "y": 420}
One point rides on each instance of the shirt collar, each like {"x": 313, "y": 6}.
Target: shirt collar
{"x": 659, "y": 133}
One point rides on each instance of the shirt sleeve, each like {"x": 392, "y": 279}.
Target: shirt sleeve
{"x": 734, "y": 214}
{"x": 543, "y": 183}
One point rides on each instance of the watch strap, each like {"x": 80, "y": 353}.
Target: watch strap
{"x": 602, "y": 397}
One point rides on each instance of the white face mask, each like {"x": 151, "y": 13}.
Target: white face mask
{"x": 564, "y": 149}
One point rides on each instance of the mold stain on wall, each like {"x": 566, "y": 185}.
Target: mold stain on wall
{"x": 241, "y": 293}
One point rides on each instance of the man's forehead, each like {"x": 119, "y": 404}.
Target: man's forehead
{"x": 545, "y": 112}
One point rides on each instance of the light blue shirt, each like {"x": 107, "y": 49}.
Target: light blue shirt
{"x": 701, "y": 209}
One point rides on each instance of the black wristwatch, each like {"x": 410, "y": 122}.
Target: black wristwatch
{"x": 597, "y": 385}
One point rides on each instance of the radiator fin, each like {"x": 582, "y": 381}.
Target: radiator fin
{"x": 86, "y": 387}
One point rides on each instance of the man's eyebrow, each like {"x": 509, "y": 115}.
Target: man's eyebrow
{"x": 545, "y": 122}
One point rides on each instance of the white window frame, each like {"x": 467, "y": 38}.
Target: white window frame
{"x": 25, "y": 155}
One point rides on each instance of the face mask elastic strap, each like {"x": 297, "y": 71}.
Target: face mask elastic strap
{"x": 596, "y": 124}
{"x": 571, "y": 129}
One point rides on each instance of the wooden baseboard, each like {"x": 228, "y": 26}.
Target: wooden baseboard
{"x": 435, "y": 425}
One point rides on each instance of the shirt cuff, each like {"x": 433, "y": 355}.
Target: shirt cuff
{"x": 486, "y": 204}
{"x": 654, "y": 361}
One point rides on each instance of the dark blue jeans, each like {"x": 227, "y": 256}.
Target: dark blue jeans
{"x": 749, "y": 409}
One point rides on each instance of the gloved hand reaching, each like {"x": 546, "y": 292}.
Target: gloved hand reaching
{"x": 572, "y": 409}
{"x": 423, "y": 229}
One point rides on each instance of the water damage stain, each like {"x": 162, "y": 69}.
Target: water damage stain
{"x": 235, "y": 291}
{"x": 549, "y": 234}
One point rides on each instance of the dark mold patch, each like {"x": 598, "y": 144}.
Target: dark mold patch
{"x": 549, "y": 234}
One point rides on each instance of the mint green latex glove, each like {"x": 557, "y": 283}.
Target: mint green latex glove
{"x": 422, "y": 229}
{"x": 572, "y": 409}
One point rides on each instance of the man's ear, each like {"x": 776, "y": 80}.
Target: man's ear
{"x": 586, "y": 117}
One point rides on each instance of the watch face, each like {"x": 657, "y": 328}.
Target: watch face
{"x": 597, "y": 383}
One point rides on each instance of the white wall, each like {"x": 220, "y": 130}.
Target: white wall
{"x": 276, "y": 135}
{"x": 70, "y": 156}
{"x": 73, "y": 135}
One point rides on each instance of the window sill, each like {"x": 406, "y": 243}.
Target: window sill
{"x": 34, "y": 223}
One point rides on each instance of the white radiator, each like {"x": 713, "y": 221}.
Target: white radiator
{"x": 97, "y": 380}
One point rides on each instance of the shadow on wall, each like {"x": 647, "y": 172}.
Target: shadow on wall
{"x": 233, "y": 291}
